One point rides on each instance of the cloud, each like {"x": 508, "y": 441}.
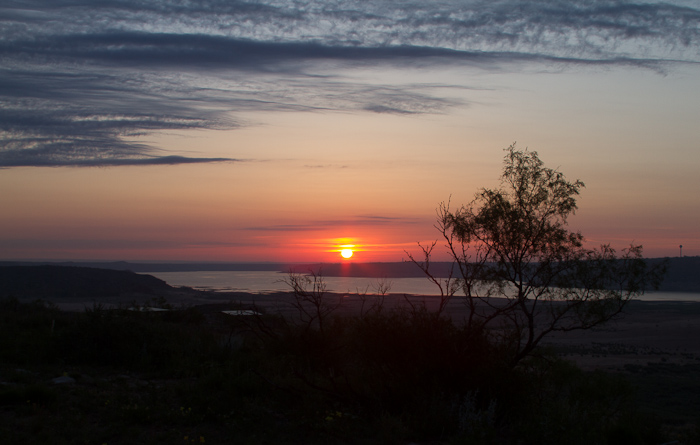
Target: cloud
{"x": 319, "y": 28}
{"x": 361, "y": 220}
{"x": 26, "y": 158}
{"x": 325, "y": 166}
{"x": 43, "y": 245}
{"x": 82, "y": 82}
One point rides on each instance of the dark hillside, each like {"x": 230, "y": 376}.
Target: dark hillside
{"x": 682, "y": 274}
{"x": 74, "y": 282}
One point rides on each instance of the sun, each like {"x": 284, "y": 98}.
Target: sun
{"x": 345, "y": 247}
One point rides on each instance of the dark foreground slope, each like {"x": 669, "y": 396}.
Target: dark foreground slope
{"x": 49, "y": 282}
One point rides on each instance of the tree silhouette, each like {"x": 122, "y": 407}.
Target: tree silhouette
{"x": 521, "y": 272}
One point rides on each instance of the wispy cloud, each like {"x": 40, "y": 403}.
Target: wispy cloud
{"x": 81, "y": 79}
{"x": 360, "y": 220}
{"x": 325, "y": 166}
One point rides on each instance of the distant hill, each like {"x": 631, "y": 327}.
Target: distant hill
{"x": 682, "y": 274}
{"x": 75, "y": 282}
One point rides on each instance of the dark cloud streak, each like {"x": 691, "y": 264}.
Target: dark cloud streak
{"x": 50, "y": 160}
{"x": 362, "y": 220}
{"x": 200, "y": 52}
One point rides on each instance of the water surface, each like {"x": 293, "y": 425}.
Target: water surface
{"x": 269, "y": 281}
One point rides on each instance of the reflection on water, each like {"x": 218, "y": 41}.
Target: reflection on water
{"x": 254, "y": 281}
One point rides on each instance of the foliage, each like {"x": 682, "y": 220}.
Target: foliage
{"x": 523, "y": 274}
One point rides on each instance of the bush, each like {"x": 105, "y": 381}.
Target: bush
{"x": 146, "y": 341}
{"x": 423, "y": 377}
{"x": 415, "y": 366}
{"x": 28, "y": 331}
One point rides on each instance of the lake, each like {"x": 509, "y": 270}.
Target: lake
{"x": 269, "y": 281}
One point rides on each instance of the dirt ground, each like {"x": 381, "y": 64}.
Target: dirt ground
{"x": 646, "y": 332}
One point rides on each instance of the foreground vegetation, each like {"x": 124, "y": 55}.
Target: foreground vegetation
{"x": 196, "y": 375}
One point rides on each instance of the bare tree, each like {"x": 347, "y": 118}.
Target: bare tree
{"x": 523, "y": 274}
{"x": 311, "y": 301}
{"x": 374, "y": 304}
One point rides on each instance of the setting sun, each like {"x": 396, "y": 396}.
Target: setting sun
{"x": 346, "y": 253}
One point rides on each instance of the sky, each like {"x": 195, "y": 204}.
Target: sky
{"x": 223, "y": 130}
